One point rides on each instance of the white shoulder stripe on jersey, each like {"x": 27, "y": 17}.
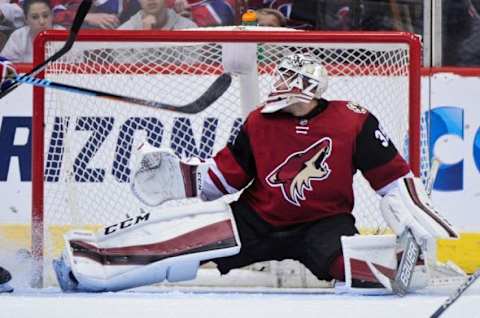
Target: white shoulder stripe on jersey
{"x": 219, "y": 174}
{"x": 209, "y": 190}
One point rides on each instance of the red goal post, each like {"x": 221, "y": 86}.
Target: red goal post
{"x": 82, "y": 146}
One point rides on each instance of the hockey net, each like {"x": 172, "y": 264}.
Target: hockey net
{"x": 84, "y": 146}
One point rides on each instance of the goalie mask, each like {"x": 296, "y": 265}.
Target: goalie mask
{"x": 298, "y": 78}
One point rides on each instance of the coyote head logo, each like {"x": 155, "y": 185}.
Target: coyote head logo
{"x": 296, "y": 173}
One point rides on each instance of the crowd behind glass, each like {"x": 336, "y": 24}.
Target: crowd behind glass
{"x": 21, "y": 20}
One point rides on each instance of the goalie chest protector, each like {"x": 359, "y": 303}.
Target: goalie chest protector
{"x": 302, "y": 167}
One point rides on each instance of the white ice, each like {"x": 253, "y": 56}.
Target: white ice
{"x": 222, "y": 302}
{"x": 210, "y": 303}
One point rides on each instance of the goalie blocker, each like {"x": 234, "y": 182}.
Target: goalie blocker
{"x": 409, "y": 212}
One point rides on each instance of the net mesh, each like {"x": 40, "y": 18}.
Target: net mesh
{"x": 90, "y": 142}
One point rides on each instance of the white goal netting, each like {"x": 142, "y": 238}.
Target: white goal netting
{"x": 89, "y": 143}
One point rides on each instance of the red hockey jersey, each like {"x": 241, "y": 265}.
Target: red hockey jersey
{"x": 301, "y": 169}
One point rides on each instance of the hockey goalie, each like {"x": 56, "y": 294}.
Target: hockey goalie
{"x": 293, "y": 163}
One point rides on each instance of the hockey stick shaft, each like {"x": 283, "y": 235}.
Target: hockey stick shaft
{"x": 77, "y": 23}
{"x": 216, "y": 89}
{"x": 458, "y": 292}
{"x": 433, "y": 175}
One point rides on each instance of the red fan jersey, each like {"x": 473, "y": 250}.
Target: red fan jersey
{"x": 211, "y": 12}
{"x": 300, "y": 169}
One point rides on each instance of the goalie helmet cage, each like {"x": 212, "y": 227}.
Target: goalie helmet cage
{"x": 83, "y": 146}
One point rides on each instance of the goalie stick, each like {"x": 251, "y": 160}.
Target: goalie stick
{"x": 404, "y": 274}
{"x": 433, "y": 174}
{"x": 214, "y": 91}
{"x": 458, "y": 292}
{"x": 77, "y": 23}
{"x": 411, "y": 251}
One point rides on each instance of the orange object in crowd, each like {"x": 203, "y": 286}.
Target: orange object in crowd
{"x": 249, "y": 18}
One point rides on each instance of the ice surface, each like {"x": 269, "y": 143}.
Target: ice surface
{"x": 222, "y": 302}
{"x": 227, "y": 303}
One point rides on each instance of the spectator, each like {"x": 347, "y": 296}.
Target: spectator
{"x": 182, "y": 7}
{"x": 389, "y": 15}
{"x": 455, "y": 27}
{"x": 11, "y": 18}
{"x": 11, "y": 15}
{"x": 285, "y": 7}
{"x": 289, "y": 9}
{"x": 328, "y": 15}
{"x": 154, "y": 14}
{"x": 38, "y": 17}
{"x": 344, "y": 14}
{"x": 270, "y": 17}
{"x": 104, "y": 14}
{"x": 213, "y": 12}
{"x": 468, "y": 48}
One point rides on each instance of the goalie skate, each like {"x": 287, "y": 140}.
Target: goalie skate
{"x": 6, "y": 288}
{"x": 65, "y": 279}
{"x": 5, "y": 277}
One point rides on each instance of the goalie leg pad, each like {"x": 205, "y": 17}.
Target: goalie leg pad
{"x": 369, "y": 258}
{"x": 64, "y": 275}
{"x": 169, "y": 247}
{"x": 374, "y": 259}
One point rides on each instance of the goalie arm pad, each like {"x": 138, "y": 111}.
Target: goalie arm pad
{"x": 161, "y": 176}
{"x": 407, "y": 205}
{"x": 158, "y": 245}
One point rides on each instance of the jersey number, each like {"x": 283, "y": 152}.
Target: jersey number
{"x": 381, "y": 136}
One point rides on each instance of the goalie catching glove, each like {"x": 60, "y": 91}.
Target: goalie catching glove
{"x": 161, "y": 177}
